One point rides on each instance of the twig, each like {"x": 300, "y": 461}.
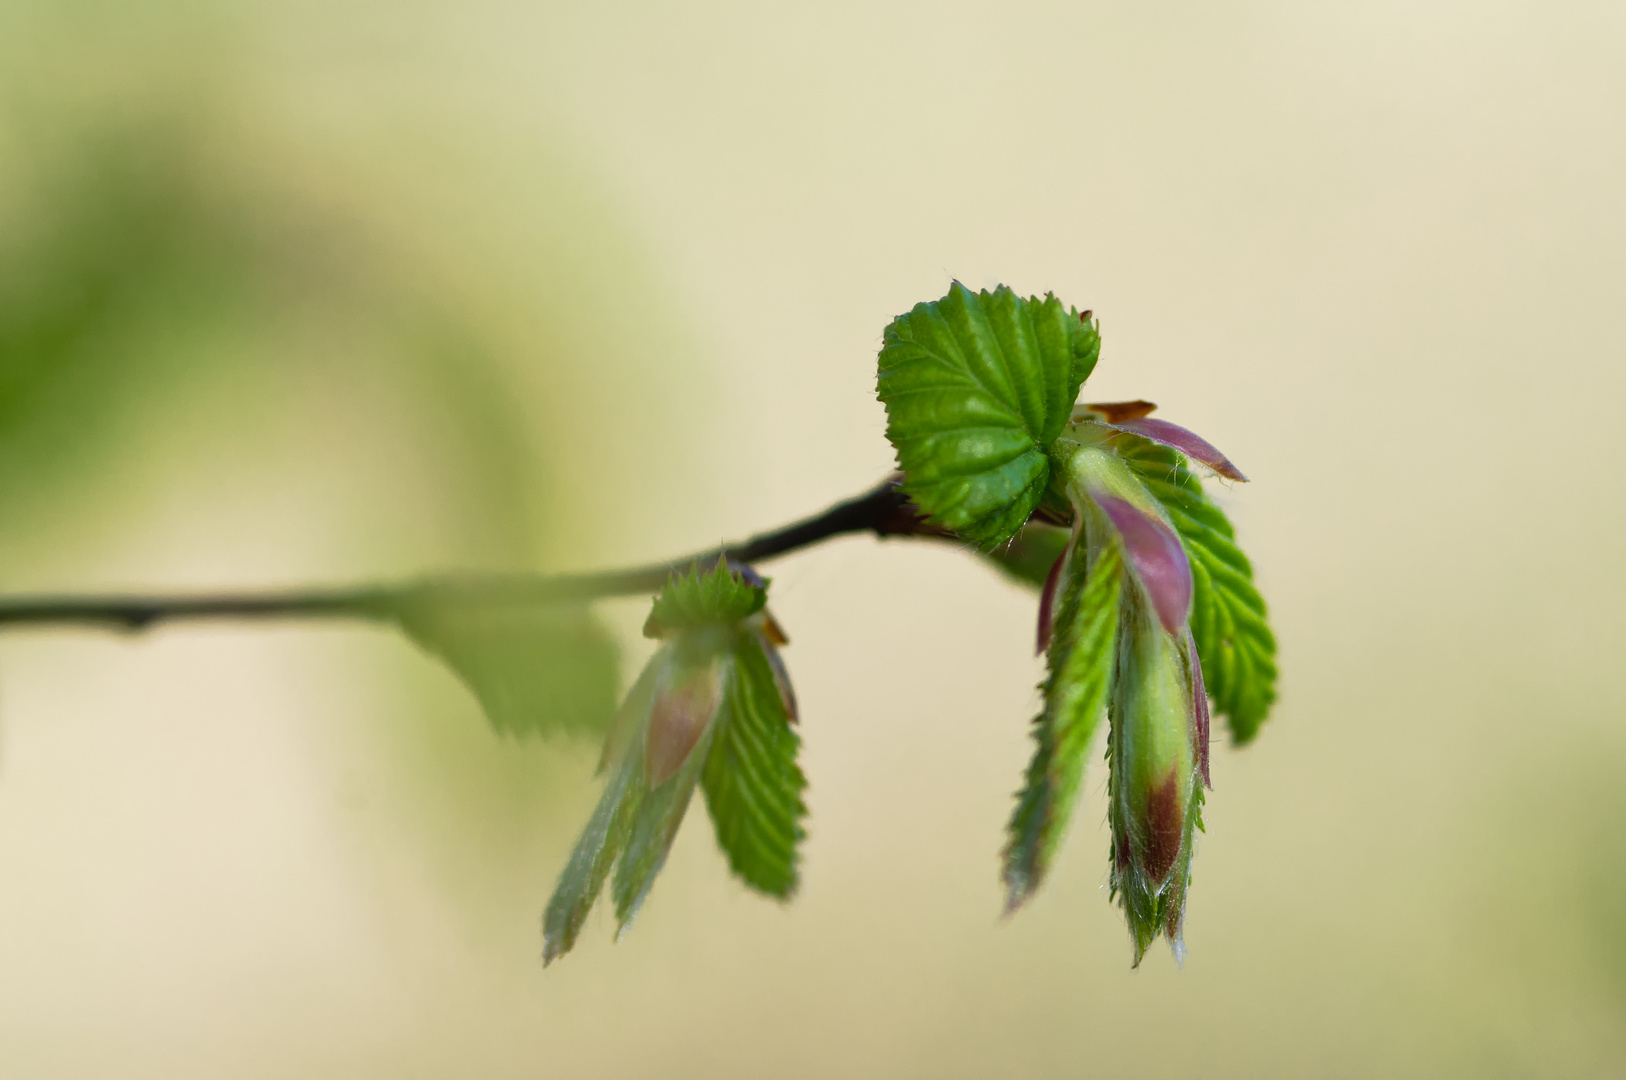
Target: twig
{"x": 884, "y": 511}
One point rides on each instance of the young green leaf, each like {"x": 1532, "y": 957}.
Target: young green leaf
{"x": 536, "y": 669}
{"x": 713, "y": 595}
{"x": 715, "y": 682}
{"x": 600, "y": 845}
{"x": 976, "y": 388}
{"x": 649, "y": 840}
{"x": 752, "y": 783}
{"x": 1081, "y": 656}
{"x": 1228, "y": 616}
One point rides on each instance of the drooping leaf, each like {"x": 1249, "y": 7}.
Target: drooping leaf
{"x": 752, "y": 783}
{"x": 649, "y": 841}
{"x": 636, "y": 820}
{"x": 1229, "y": 620}
{"x": 536, "y": 669}
{"x": 601, "y": 843}
{"x": 714, "y": 702}
{"x": 976, "y": 388}
{"x": 1189, "y": 443}
{"x": 1081, "y": 657}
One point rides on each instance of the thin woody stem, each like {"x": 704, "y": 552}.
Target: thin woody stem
{"x": 884, "y": 511}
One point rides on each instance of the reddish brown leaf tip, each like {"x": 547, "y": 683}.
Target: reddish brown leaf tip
{"x": 1159, "y": 561}
{"x": 1165, "y": 826}
{"x": 1189, "y": 443}
{"x": 1047, "y": 602}
{"x": 1114, "y": 412}
{"x": 781, "y": 680}
{"x": 1199, "y": 710}
{"x": 773, "y": 631}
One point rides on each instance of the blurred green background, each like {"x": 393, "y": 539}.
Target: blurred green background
{"x": 304, "y": 292}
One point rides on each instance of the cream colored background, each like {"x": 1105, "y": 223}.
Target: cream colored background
{"x": 1375, "y": 252}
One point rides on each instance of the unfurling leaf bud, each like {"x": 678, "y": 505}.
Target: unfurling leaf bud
{"x": 1115, "y": 613}
{"x": 1141, "y": 583}
{"x": 1155, "y": 786}
{"x": 1158, "y": 741}
{"x": 713, "y": 708}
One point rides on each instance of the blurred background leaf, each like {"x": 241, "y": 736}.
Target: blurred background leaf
{"x": 537, "y": 669}
{"x": 1027, "y": 559}
{"x": 244, "y": 343}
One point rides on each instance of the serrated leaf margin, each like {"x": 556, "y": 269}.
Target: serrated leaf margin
{"x": 751, "y": 780}
{"x": 1081, "y": 658}
{"x": 977, "y": 386}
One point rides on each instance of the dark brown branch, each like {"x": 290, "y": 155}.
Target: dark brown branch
{"x": 884, "y": 511}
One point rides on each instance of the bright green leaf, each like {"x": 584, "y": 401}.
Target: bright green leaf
{"x": 1228, "y": 616}
{"x": 1080, "y": 658}
{"x": 535, "y": 668}
{"x": 752, "y": 783}
{"x": 976, "y": 388}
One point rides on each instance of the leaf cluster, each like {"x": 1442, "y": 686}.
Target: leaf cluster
{"x": 980, "y": 392}
{"x": 744, "y": 760}
{"x": 980, "y": 389}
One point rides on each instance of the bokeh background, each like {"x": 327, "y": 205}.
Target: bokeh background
{"x": 316, "y": 293}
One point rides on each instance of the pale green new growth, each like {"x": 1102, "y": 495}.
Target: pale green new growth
{"x": 654, "y": 827}
{"x": 589, "y": 866}
{"x": 710, "y": 621}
